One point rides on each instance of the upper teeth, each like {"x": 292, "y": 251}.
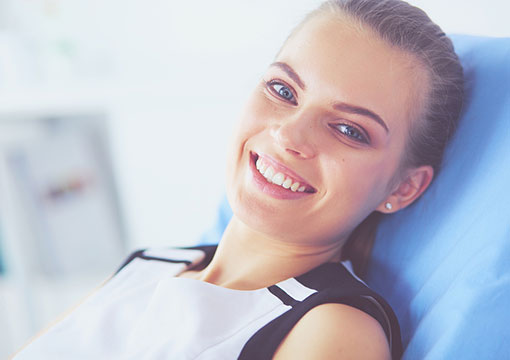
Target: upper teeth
{"x": 278, "y": 178}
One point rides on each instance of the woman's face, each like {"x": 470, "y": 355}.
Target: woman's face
{"x": 332, "y": 114}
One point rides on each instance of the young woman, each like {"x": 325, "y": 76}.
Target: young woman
{"x": 349, "y": 121}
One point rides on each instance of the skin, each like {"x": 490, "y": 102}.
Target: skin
{"x": 351, "y": 160}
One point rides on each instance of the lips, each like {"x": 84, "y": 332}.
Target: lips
{"x": 278, "y": 176}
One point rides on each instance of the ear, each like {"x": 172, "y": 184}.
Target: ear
{"x": 414, "y": 183}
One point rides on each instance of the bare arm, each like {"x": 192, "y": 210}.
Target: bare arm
{"x": 335, "y": 331}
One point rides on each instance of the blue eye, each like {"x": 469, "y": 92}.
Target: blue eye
{"x": 352, "y": 132}
{"x": 282, "y": 91}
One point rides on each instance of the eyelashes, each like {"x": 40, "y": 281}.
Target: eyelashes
{"x": 281, "y": 90}
{"x": 285, "y": 93}
{"x": 352, "y": 132}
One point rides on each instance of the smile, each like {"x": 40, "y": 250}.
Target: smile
{"x": 279, "y": 176}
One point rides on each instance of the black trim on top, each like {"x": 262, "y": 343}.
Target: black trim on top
{"x": 209, "y": 251}
{"x": 335, "y": 284}
{"x": 145, "y": 257}
{"x": 130, "y": 258}
{"x": 282, "y": 295}
{"x": 334, "y": 275}
{"x": 329, "y": 275}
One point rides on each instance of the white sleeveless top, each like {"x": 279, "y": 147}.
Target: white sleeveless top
{"x": 145, "y": 312}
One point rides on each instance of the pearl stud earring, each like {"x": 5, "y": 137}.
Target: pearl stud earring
{"x": 388, "y": 206}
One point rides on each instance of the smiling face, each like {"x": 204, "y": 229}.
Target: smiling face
{"x": 327, "y": 126}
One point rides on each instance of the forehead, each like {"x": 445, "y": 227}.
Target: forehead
{"x": 344, "y": 62}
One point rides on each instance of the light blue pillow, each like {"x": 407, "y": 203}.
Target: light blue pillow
{"x": 444, "y": 263}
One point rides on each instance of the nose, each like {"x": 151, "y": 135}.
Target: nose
{"x": 295, "y": 135}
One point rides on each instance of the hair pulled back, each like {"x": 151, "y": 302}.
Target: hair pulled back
{"x": 408, "y": 28}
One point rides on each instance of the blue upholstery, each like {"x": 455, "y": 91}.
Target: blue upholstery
{"x": 444, "y": 263}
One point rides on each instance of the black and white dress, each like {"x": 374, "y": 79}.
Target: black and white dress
{"x": 145, "y": 312}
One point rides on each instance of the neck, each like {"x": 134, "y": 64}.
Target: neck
{"x": 247, "y": 260}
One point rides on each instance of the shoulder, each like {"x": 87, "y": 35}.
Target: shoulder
{"x": 335, "y": 331}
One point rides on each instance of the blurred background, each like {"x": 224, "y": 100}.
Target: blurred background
{"x": 114, "y": 124}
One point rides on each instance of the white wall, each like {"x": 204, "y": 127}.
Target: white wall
{"x": 489, "y": 18}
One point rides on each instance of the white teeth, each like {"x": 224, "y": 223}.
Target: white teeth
{"x": 294, "y": 186}
{"x": 278, "y": 179}
{"x": 268, "y": 174}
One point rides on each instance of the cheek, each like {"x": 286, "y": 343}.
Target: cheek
{"x": 360, "y": 178}
{"x": 254, "y": 119}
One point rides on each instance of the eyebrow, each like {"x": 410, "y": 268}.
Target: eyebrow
{"x": 358, "y": 110}
{"x": 341, "y": 106}
{"x": 291, "y": 73}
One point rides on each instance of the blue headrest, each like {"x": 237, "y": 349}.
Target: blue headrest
{"x": 444, "y": 263}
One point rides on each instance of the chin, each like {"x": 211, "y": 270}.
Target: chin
{"x": 262, "y": 216}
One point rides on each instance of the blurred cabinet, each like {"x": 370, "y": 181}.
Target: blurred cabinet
{"x": 61, "y": 232}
